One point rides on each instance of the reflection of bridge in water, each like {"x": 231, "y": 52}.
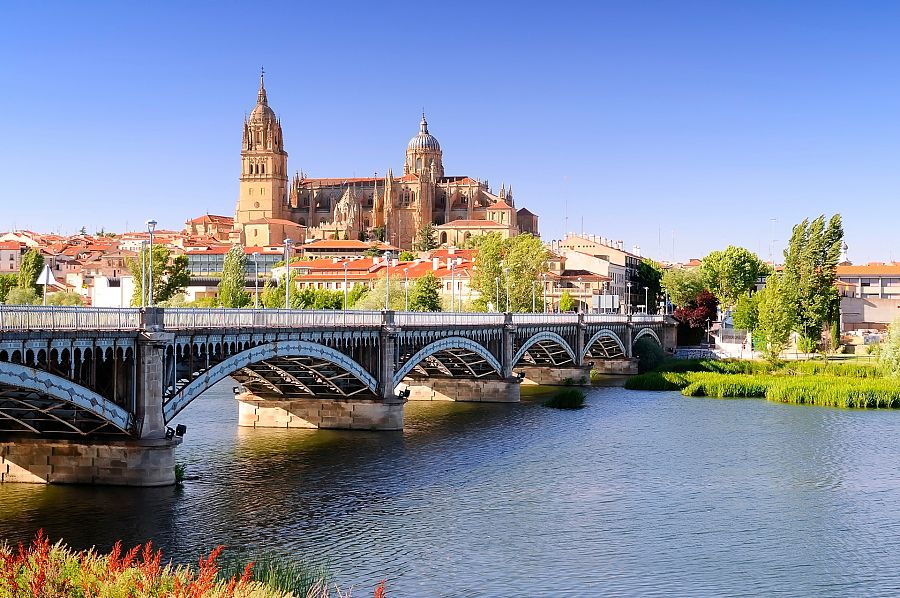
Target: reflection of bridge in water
{"x": 86, "y": 394}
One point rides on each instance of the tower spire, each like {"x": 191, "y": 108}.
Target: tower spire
{"x": 261, "y": 96}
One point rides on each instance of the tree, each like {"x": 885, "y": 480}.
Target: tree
{"x": 356, "y": 293}
{"x": 7, "y": 283}
{"x": 272, "y": 295}
{"x": 378, "y": 233}
{"x": 810, "y": 269}
{"x": 776, "y": 315}
{"x": 566, "y": 302}
{"x": 231, "y": 287}
{"x": 731, "y": 273}
{"x": 406, "y": 256}
{"x": 698, "y": 311}
{"x": 682, "y": 285}
{"x": 31, "y": 267}
{"x": 65, "y": 298}
{"x": 374, "y": 298}
{"x": 426, "y": 238}
{"x": 526, "y": 258}
{"x": 20, "y": 296}
{"x": 425, "y": 295}
{"x": 890, "y": 349}
{"x": 746, "y": 312}
{"x": 170, "y": 275}
{"x": 649, "y": 275}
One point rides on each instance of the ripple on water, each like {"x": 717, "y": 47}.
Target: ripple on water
{"x": 640, "y": 493}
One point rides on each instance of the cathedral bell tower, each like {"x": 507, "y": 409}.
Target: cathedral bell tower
{"x": 264, "y": 180}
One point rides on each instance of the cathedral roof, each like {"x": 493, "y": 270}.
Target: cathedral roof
{"x": 262, "y": 112}
{"x": 424, "y": 140}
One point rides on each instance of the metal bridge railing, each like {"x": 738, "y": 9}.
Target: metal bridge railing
{"x": 438, "y": 318}
{"x": 545, "y": 318}
{"x": 21, "y": 318}
{"x": 186, "y": 318}
{"x": 648, "y": 318}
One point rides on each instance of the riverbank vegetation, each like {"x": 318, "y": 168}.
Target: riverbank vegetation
{"x": 566, "y": 398}
{"x": 829, "y": 384}
{"x": 49, "y": 570}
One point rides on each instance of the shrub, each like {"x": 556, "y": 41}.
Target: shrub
{"x": 650, "y": 355}
{"x": 657, "y": 381}
{"x": 567, "y": 398}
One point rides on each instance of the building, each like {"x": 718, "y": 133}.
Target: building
{"x": 870, "y": 295}
{"x": 608, "y": 258}
{"x": 11, "y": 256}
{"x": 390, "y": 208}
{"x": 208, "y": 225}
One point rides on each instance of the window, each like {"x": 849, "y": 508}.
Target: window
{"x": 251, "y": 190}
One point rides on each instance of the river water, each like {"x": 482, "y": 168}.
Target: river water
{"x": 638, "y": 494}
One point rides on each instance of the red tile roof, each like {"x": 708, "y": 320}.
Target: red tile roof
{"x": 472, "y": 224}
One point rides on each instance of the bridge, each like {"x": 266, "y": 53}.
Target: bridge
{"x": 87, "y": 394}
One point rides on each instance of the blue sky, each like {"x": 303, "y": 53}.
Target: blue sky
{"x": 708, "y": 119}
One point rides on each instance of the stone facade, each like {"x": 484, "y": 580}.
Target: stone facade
{"x": 118, "y": 463}
{"x": 556, "y": 376}
{"x": 357, "y": 207}
{"x": 460, "y": 390}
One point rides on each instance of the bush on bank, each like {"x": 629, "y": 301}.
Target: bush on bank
{"x": 42, "y": 570}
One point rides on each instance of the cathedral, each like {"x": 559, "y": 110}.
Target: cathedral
{"x": 271, "y": 206}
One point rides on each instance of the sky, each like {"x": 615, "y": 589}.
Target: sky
{"x": 681, "y": 127}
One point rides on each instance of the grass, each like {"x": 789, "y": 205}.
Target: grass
{"x": 566, "y": 398}
{"x": 802, "y": 383}
{"x": 45, "y": 570}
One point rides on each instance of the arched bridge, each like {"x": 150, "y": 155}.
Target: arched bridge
{"x": 87, "y": 373}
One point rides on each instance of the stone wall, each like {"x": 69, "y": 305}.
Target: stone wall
{"x": 616, "y": 367}
{"x": 118, "y": 463}
{"x": 463, "y": 390}
{"x": 341, "y": 414}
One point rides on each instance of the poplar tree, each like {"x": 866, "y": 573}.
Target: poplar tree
{"x": 30, "y": 268}
{"x": 425, "y": 294}
{"x": 776, "y": 317}
{"x": 231, "y": 287}
{"x": 731, "y": 273}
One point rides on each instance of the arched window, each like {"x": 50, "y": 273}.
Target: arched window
{"x": 418, "y": 164}
{"x": 443, "y": 238}
{"x": 264, "y": 169}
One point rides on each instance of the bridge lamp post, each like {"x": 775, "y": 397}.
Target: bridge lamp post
{"x": 406, "y": 289}
{"x": 580, "y": 290}
{"x": 544, "y": 290}
{"x": 497, "y": 286}
{"x": 533, "y": 297}
{"x": 452, "y": 284}
{"x": 143, "y": 274}
{"x": 506, "y": 272}
{"x": 151, "y": 226}
{"x": 387, "y": 280}
{"x": 628, "y": 299}
{"x": 646, "y": 300}
{"x": 346, "y": 264}
{"x": 287, "y": 273}
{"x": 256, "y": 280}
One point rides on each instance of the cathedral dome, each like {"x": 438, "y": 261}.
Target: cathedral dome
{"x": 262, "y": 112}
{"x": 424, "y": 140}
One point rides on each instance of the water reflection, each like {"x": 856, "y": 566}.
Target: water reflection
{"x": 639, "y": 493}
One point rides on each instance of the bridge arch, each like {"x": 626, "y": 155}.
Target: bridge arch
{"x": 447, "y": 344}
{"x": 647, "y": 332}
{"x": 17, "y": 376}
{"x": 542, "y": 337}
{"x": 605, "y": 334}
{"x": 259, "y": 353}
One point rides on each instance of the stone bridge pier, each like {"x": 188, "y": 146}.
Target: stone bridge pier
{"x": 91, "y": 395}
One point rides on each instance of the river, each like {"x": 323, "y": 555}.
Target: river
{"x": 638, "y": 494}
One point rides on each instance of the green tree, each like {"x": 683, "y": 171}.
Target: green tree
{"x": 7, "y": 283}
{"x": 890, "y": 349}
{"x": 406, "y": 256}
{"x": 525, "y": 257}
{"x": 272, "y": 295}
{"x": 374, "y": 299}
{"x": 776, "y": 315}
{"x": 31, "y": 267}
{"x": 810, "y": 269}
{"x": 566, "y": 302}
{"x": 231, "y": 287}
{"x": 20, "y": 296}
{"x": 65, "y": 298}
{"x": 426, "y": 238}
{"x": 649, "y": 275}
{"x": 731, "y": 273}
{"x": 170, "y": 275}
{"x": 683, "y": 285}
{"x": 378, "y": 233}
{"x": 426, "y": 294}
{"x": 746, "y": 312}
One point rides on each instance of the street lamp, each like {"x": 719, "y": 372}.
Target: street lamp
{"x": 256, "y": 280}
{"x": 287, "y": 274}
{"x": 345, "y": 285}
{"x": 544, "y": 290}
{"x": 143, "y": 274}
{"x": 533, "y": 297}
{"x": 452, "y": 284}
{"x": 387, "y": 280}
{"x": 497, "y": 285}
{"x": 506, "y": 272}
{"x": 581, "y": 292}
{"x": 151, "y": 226}
{"x": 628, "y": 299}
{"x": 406, "y": 284}
{"x": 646, "y": 300}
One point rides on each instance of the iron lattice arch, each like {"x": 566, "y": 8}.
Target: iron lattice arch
{"x": 545, "y": 349}
{"x": 450, "y": 357}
